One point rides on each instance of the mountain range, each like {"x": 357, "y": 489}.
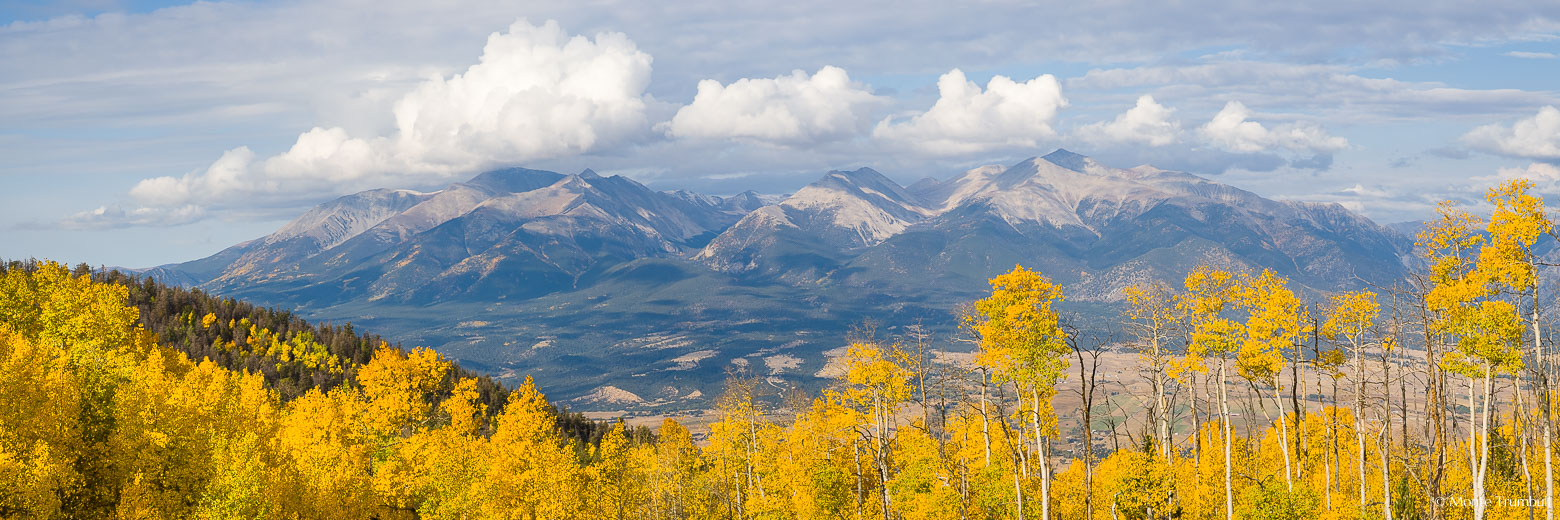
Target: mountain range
{"x": 618, "y": 296}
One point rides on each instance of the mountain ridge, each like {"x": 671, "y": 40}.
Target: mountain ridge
{"x": 658, "y": 293}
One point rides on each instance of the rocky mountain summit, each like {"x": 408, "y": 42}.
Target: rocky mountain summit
{"x": 603, "y": 283}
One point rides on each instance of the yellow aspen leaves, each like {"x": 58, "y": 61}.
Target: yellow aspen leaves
{"x": 98, "y": 420}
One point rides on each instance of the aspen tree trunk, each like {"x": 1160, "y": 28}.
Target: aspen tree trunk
{"x": 753, "y": 478}
{"x": 1296, "y": 388}
{"x": 1403, "y": 409}
{"x": 1020, "y": 463}
{"x": 1482, "y": 426}
{"x": 1386, "y": 375}
{"x": 964, "y": 490}
{"x": 1316, "y": 352}
{"x": 881, "y": 410}
{"x": 1520, "y": 430}
{"x": 1021, "y": 448}
{"x": 1161, "y": 412}
{"x": 1548, "y": 421}
{"x": 855, "y": 450}
{"x": 1196, "y": 426}
{"x": 1283, "y": 439}
{"x": 1017, "y": 449}
{"x": 1327, "y": 465}
{"x": 1088, "y": 382}
{"x": 1018, "y": 491}
{"x": 1283, "y": 431}
{"x": 1337, "y": 455}
{"x": 1044, "y": 458}
{"x": 1434, "y": 410}
{"x": 985, "y": 418}
{"x": 1224, "y": 410}
{"x": 1384, "y": 441}
{"x": 1359, "y": 423}
{"x": 1384, "y": 445}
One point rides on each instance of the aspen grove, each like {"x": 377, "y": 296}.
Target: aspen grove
{"x": 1430, "y": 399}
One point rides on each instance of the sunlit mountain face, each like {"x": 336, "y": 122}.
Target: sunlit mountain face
{"x": 602, "y": 282}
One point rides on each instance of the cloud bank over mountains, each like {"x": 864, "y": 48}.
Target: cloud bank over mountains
{"x": 968, "y": 119}
{"x": 1536, "y": 137}
{"x": 685, "y": 97}
{"x": 537, "y": 92}
{"x": 794, "y": 110}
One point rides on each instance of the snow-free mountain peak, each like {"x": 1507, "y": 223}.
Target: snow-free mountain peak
{"x": 1056, "y": 210}
{"x": 515, "y": 180}
{"x": 1067, "y": 159}
{"x": 605, "y": 282}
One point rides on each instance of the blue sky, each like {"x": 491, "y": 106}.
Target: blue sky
{"x": 140, "y": 133}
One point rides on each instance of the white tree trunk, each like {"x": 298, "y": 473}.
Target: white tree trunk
{"x": 1040, "y": 452}
{"x": 1543, "y": 378}
{"x": 1224, "y": 410}
{"x": 1163, "y": 414}
{"x": 985, "y": 418}
{"x": 1283, "y": 438}
{"x": 1359, "y": 422}
{"x": 1384, "y": 445}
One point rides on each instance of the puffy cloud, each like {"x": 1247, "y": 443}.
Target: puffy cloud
{"x": 967, "y": 119}
{"x": 786, "y": 110}
{"x": 1147, "y": 123}
{"x": 1233, "y": 130}
{"x": 1544, "y": 175}
{"x": 1536, "y": 137}
{"x": 535, "y": 93}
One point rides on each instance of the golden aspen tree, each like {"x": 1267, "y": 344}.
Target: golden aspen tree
{"x": 616, "y": 478}
{"x": 532, "y": 471}
{"x": 1275, "y": 318}
{"x": 247, "y": 480}
{"x": 676, "y": 489}
{"x": 1486, "y": 331}
{"x": 326, "y": 440}
{"x": 1152, "y": 318}
{"x": 438, "y": 467}
{"x": 19, "y": 301}
{"x": 1022, "y": 340}
{"x": 1136, "y": 484}
{"x": 823, "y": 450}
{"x": 1209, "y": 294}
{"x": 1519, "y": 219}
{"x": 1329, "y": 363}
{"x": 921, "y": 488}
{"x": 39, "y": 436}
{"x": 1349, "y": 321}
{"x": 880, "y": 383}
{"x": 397, "y": 387}
{"x": 734, "y": 445}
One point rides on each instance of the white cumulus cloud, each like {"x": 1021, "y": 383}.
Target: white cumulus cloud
{"x": 1146, "y": 123}
{"x": 1545, "y": 176}
{"x": 535, "y": 93}
{"x": 786, "y": 110}
{"x": 1232, "y": 129}
{"x": 1536, "y": 137}
{"x": 968, "y": 119}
